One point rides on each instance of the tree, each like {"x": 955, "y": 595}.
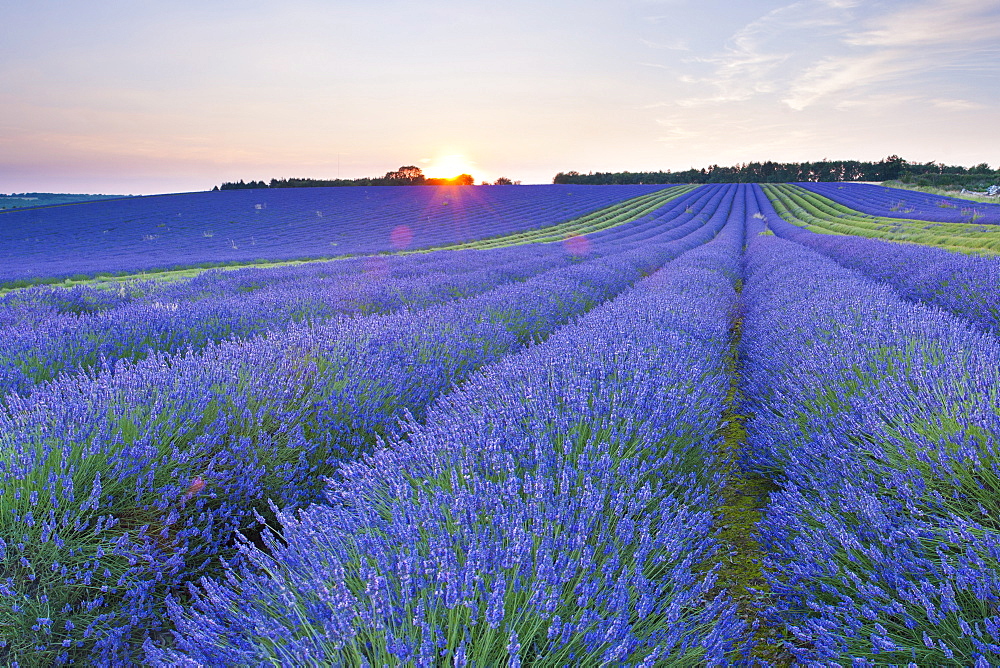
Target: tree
{"x": 503, "y": 181}
{"x": 407, "y": 175}
{"x": 891, "y": 168}
{"x": 463, "y": 180}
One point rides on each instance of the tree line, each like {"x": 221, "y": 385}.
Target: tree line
{"x": 407, "y": 175}
{"x": 892, "y": 168}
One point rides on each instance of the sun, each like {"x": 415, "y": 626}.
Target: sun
{"x": 449, "y": 166}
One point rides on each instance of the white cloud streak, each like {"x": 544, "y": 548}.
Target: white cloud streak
{"x": 838, "y": 78}
{"x": 758, "y": 55}
{"x": 811, "y": 52}
{"x": 941, "y": 22}
{"x": 957, "y": 105}
{"x": 900, "y": 46}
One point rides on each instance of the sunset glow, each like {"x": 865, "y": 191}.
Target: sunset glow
{"x": 449, "y": 166}
{"x": 143, "y": 98}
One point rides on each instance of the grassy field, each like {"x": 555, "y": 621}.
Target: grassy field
{"x": 943, "y": 192}
{"x": 823, "y": 215}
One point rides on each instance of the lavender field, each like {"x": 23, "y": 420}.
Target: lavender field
{"x": 583, "y": 426}
{"x": 233, "y": 226}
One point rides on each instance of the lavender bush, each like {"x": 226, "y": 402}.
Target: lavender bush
{"x": 177, "y": 318}
{"x": 877, "y": 416}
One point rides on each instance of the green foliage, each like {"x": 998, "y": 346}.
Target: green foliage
{"x": 819, "y": 214}
{"x": 744, "y": 497}
{"x": 949, "y": 190}
{"x": 890, "y": 168}
{"x": 407, "y": 175}
{"x": 23, "y": 200}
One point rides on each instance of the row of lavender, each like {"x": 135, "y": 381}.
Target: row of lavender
{"x": 556, "y": 510}
{"x": 966, "y": 285}
{"x": 253, "y": 302}
{"x": 120, "y": 487}
{"x": 914, "y": 205}
{"x": 143, "y": 233}
{"x": 878, "y": 417}
{"x": 48, "y": 331}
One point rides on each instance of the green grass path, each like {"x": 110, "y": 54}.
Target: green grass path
{"x": 814, "y": 212}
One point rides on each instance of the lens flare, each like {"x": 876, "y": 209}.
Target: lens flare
{"x": 577, "y": 245}
{"x": 400, "y": 237}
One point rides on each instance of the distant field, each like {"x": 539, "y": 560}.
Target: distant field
{"x": 972, "y": 230}
{"x": 48, "y": 199}
{"x": 729, "y": 424}
{"x": 955, "y": 193}
{"x": 244, "y": 226}
{"x": 913, "y": 204}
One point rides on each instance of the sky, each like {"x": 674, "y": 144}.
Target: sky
{"x": 140, "y": 97}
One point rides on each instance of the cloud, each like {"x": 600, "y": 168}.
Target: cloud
{"x": 877, "y": 103}
{"x": 956, "y": 105}
{"x": 937, "y": 23}
{"x": 848, "y": 53}
{"x": 704, "y": 136}
{"x": 897, "y": 47}
{"x": 840, "y": 74}
{"x": 757, "y": 57}
{"x": 674, "y": 130}
{"x": 659, "y": 66}
{"x": 865, "y": 89}
{"x": 842, "y": 4}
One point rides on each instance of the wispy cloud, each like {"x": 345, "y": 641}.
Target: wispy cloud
{"x": 757, "y": 57}
{"x": 731, "y": 138}
{"x": 844, "y": 74}
{"x": 844, "y": 51}
{"x": 835, "y": 77}
{"x": 877, "y": 103}
{"x": 659, "y": 66}
{"x": 957, "y": 105}
{"x": 672, "y": 130}
{"x": 915, "y": 40}
{"x": 937, "y": 23}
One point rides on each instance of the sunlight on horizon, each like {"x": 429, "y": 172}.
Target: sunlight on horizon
{"x": 448, "y": 166}
{"x": 133, "y": 98}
